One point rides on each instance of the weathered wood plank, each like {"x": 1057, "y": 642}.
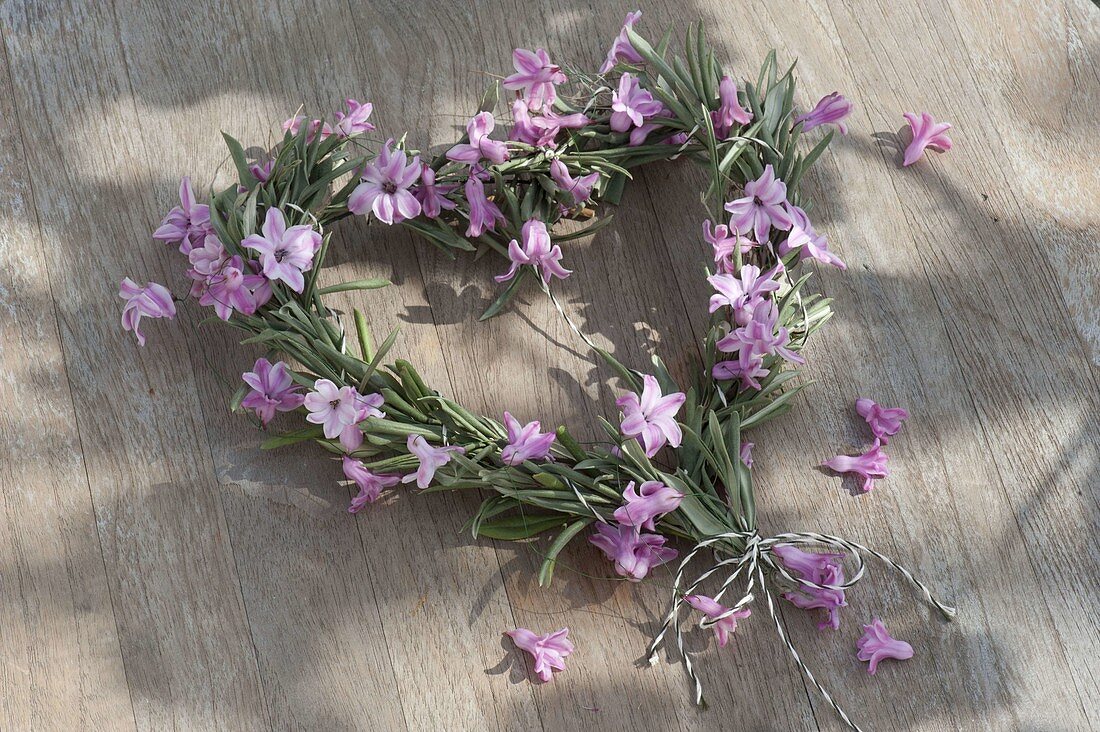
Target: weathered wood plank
{"x": 60, "y": 662}
{"x": 181, "y": 622}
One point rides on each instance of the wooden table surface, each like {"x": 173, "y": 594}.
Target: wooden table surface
{"x": 157, "y": 570}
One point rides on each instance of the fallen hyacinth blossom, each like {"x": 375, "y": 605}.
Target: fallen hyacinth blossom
{"x": 674, "y": 466}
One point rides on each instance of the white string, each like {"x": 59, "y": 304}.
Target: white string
{"x": 756, "y": 555}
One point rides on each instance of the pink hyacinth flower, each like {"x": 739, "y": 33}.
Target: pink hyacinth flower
{"x": 272, "y": 390}
{"x": 480, "y": 145}
{"x": 621, "y": 49}
{"x": 651, "y": 417}
{"x": 827, "y": 599}
{"x": 484, "y": 214}
{"x": 633, "y": 553}
{"x": 830, "y": 109}
{"x": 187, "y": 224}
{"x": 725, "y": 243}
{"x": 294, "y": 126}
{"x": 884, "y": 421}
{"x": 927, "y": 132}
{"x": 810, "y": 245}
{"x": 538, "y": 251}
{"x": 748, "y": 367}
{"x": 370, "y": 484}
{"x": 537, "y": 76}
{"x": 431, "y": 459}
{"x": 713, "y": 609}
{"x": 871, "y": 465}
{"x": 579, "y": 188}
{"x": 207, "y": 260}
{"x": 526, "y": 442}
{"x": 877, "y": 644}
{"x": 354, "y": 121}
{"x": 285, "y": 253}
{"x": 745, "y": 453}
{"x": 742, "y": 294}
{"x": 234, "y": 287}
{"x": 646, "y": 502}
{"x": 762, "y": 207}
{"x": 820, "y": 569}
{"x": 541, "y": 130}
{"x": 729, "y": 112}
{"x": 761, "y": 335}
{"x": 149, "y": 301}
{"x": 432, "y": 197}
{"x": 339, "y": 410}
{"x": 549, "y": 651}
{"x": 385, "y": 187}
{"x": 631, "y": 104}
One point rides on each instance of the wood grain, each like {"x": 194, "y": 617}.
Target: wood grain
{"x": 159, "y": 570}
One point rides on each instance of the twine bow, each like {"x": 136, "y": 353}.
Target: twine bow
{"x": 758, "y": 555}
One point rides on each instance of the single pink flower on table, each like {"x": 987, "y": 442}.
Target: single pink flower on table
{"x": 725, "y": 243}
{"x": 820, "y": 569}
{"x": 742, "y": 294}
{"x": 549, "y": 651}
{"x": 713, "y": 609}
{"x": 871, "y": 465}
{"x": 538, "y": 251}
{"x": 339, "y": 410}
{"x": 646, "y": 502}
{"x": 149, "y": 301}
{"x": 651, "y": 417}
{"x": 830, "y": 109}
{"x": 730, "y": 112}
{"x": 480, "y": 145}
{"x": 385, "y": 187}
{"x": 762, "y": 207}
{"x": 272, "y": 390}
{"x": 631, "y": 104}
{"x": 877, "y": 644}
{"x": 633, "y": 553}
{"x": 621, "y": 49}
{"x": 354, "y": 121}
{"x": 536, "y": 75}
{"x": 806, "y": 565}
{"x": 431, "y": 459}
{"x": 745, "y": 453}
{"x": 884, "y": 421}
{"x": 370, "y": 484}
{"x": 187, "y": 224}
{"x": 294, "y": 126}
{"x": 810, "y": 245}
{"x": 927, "y": 132}
{"x": 285, "y": 253}
{"x": 484, "y": 214}
{"x": 526, "y": 442}
{"x": 579, "y": 188}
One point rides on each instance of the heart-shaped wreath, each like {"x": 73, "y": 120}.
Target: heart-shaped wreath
{"x": 674, "y": 463}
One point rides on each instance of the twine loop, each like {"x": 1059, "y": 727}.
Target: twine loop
{"x": 750, "y": 556}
